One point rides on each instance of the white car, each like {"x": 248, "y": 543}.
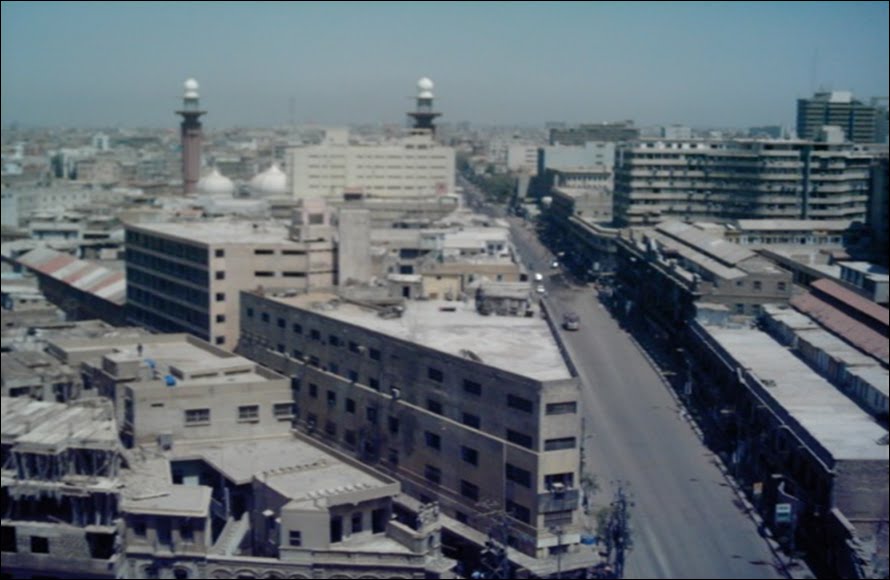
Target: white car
{"x": 555, "y": 264}
{"x": 540, "y": 289}
{"x": 539, "y": 277}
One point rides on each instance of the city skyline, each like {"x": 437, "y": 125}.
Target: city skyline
{"x": 721, "y": 65}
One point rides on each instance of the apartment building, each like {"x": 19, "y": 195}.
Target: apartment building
{"x": 859, "y": 121}
{"x": 185, "y": 276}
{"x": 741, "y": 179}
{"x": 476, "y": 412}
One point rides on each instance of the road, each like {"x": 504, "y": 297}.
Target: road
{"x": 686, "y": 520}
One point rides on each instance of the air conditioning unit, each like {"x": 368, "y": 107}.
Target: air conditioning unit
{"x": 558, "y": 488}
{"x": 165, "y": 441}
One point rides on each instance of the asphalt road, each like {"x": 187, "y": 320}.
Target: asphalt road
{"x": 686, "y": 521}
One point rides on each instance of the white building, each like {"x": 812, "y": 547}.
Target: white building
{"x": 523, "y": 157}
{"x": 410, "y": 167}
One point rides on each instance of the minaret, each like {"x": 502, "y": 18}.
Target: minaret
{"x": 424, "y": 115}
{"x": 191, "y": 137}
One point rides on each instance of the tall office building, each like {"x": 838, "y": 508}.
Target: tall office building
{"x": 858, "y": 120}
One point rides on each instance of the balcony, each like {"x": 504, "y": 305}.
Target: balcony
{"x": 557, "y": 501}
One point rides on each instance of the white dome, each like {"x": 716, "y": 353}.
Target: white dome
{"x": 425, "y": 84}
{"x": 191, "y": 85}
{"x": 215, "y": 183}
{"x": 271, "y": 182}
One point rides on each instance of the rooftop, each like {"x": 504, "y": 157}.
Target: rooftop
{"x": 54, "y": 427}
{"x": 524, "y": 346}
{"x": 89, "y": 277}
{"x": 294, "y": 468}
{"x": 221, "y": 232}
{"x": 844, "y": 430}
{"x": 176, "y": 500}
{"x": 793, "y": 225}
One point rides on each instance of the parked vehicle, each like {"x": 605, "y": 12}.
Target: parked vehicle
{"x": 540, "y": 289}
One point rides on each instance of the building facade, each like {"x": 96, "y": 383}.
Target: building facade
{"x": 860, "y": 122}
{"x": 479, "y": 413}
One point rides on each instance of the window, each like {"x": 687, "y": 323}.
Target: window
{"x": 371, "y": 414}
{"x": 185, "y": 530}
{"x": 220, "y": 275}
{"x": 356, "y": 522}
{"x": 264, "y": 274}
{"x": 283, "y": 410}
{"x": 334, "y": 368}
{"x": 220, "y": 317}
{"x": 432, "y": 474}
{"x": 557, "y": 444}
{"x": 249, "y": 413}
{"x": 519, "y": 403}
{"x": 472, "y": 388}
{"x": 220, "y": 296}
{"x": 353, "y": 347}
{"x": 520, "y": 512}
{"x": 263, "y": 252}
{"x": 297, "y": 354}
{"x": 334, "y": 340}
{"x": 295, "y": 538}
{"x": 265, "y": 317}
{"x": 39, "y": 545}
{"x": 781, "y": 286}
{"x": 330, "y": 428}
{"x": 220, "y": 340}
{"x": 250, "y": 312}
{"x": 469, "y": 455}
{"x": 434, "y": 406}
{"x": 562, "y": 408}
{"x": 281, "y": 323}
{"x": 518, "y": 475}
{"x": 519, "y": 438}
{"x": 332, "y": 399}
{"x": 298, "y": 328}
{"x": 394, "y": 425}
{"x": 353, "y": 376}
{"x": 739, "y": 308}
{"x": 219, "y": 253}
{"x": 472, "y": 420}
{"x": 197, "y": 416}
{"x": 350, "y": 406}
{"x": 433, "y": 441}
{"x": 393, "y": 456}
{"x": 758, "y": 285}
{"x": 313, "y": 390}
{"x": 374, "y": 383}
{"x": 469, "y": 490}
{"x": 435, "y": 375}
{"x": 349, "y": 437}
{"x": 374, "y": 354}
{"x": 461, "y": 517}
{"x": 566, "y": 479}
{"x": 314, "y": 334}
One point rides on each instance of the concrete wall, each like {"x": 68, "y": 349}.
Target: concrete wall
{"x": 354, "y": 248}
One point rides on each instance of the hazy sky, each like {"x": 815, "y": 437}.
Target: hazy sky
{"x": 702, "y": 64}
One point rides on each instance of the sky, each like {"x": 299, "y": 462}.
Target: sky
{"x": 707, "y": 64}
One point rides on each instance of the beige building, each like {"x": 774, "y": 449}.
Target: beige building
{"x": 413, "y": 166}
{"x": 186, "y": 276}
{"x": 173, "y": 387}
{"x": 475, "y": 412}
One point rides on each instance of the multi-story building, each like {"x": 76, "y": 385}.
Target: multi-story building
{"x": 185, "y": 277}
{"x": 522, "y": 157}
{"x": 737, "y": 179}
{"x": 175, "y": 387}
{"x": 413, "y": 166}
{"x": 479, "y": 413}
{"x": 860, "y": 122}
{"x": 61, "y": 466}
{"x": 664, "y": 272}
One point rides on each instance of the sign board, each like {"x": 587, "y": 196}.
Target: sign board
{"x": 783, "y": 513}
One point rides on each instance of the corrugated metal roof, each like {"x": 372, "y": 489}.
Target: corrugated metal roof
{"x": 87, "y": 276}
{"x": 855, "y": 301}
{"x": 718, "y": 248}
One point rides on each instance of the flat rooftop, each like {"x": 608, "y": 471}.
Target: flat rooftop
{"x": 843, "y": 429}
{"x": 44, "y": 426}
{"x": 524, "y": 346}
{"x": 222, "y": 232}
{"x": 176, "y": 500}
{"x": 293, "y": 467}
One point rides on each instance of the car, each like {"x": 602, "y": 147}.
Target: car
{"x": 540, "y": 289}
{"x": 539, "y": 277}
{"x": 571, "y": 321}
{"x": 554, "y": 264}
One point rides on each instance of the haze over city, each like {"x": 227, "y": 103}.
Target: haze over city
{"x": 698, "y": 64}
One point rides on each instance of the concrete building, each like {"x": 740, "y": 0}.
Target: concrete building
{"x": 879, "y": 212}
{"x": 174, "y": 387}
{"x": 522, "y": 157}
{"x": 414, "y": 166}
{"x": 859, "y": 122}
{"x": 813, "y": 463}
{"x": 741, "y": 179}
{"x": 185, "y": 276}
{"x": 619, "y": 131}
{"x": 61, "y": 467}
{"x": 354, "y": 246}
{"x": 663, "y": 272}
{"x": 475, "y": 412}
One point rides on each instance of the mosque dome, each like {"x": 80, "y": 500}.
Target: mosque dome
{"x": 215, "y": 183}
{"x": 271, "y": 182}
